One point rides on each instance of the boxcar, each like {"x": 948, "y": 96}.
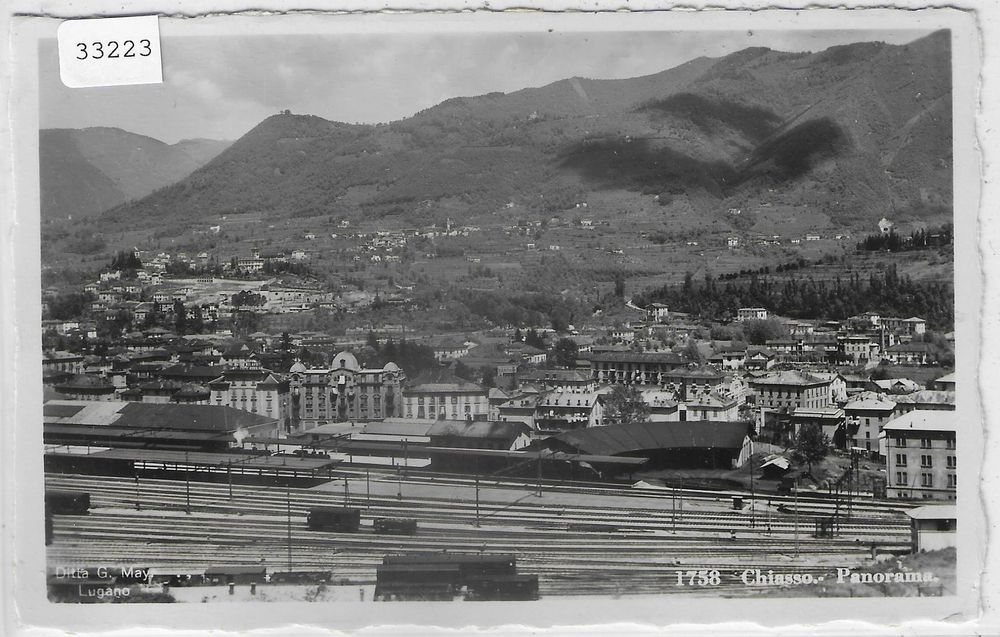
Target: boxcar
{"x": 442, "y": 576}
{"x": 336, "y": 519}
{"x": 417, "y": 582}
{"x": 395, "y": 526}
{"x": 503, "y": 588}
{"x": 235, "y": 575}
{"x": 67, "y": 502}
{"x": 469, "y": 564}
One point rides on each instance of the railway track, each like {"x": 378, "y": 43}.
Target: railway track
{"x": 624, "y": 549}
{"x": 814, "y": 500}
{"x": 161, "y": 493}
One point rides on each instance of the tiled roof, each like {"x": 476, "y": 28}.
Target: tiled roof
{"x": 789, "y": 377}
{"x": 927, "y": 397}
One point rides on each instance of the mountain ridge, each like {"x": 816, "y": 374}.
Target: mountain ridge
{"x": 85, "y": 171}
{"x": 707, "y": 135}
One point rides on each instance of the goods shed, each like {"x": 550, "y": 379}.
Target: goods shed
{"x": 150, "y": 425}
{"x": 684, "y": 445}
{"x": 194, "y": 465}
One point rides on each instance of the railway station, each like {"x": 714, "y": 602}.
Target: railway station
{"x": 211, "y": 488}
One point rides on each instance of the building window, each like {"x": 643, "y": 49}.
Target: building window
{"x": 900, "y": 442}
{"x": 925, "y": 443}
{"x": 927, "y": 479}
{"x": 950, "y": 443}
{"x": 926, "y": 461}
{"x": 951, "y": 481}
{"x": 900, "y": 459}
{"x": 901, "y": 478}
{"x": 951, "y": 462}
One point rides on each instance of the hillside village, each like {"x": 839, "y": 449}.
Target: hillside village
{"x": 145, "y": 335}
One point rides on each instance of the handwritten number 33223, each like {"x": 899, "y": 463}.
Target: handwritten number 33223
{"x": 127, "y": 49}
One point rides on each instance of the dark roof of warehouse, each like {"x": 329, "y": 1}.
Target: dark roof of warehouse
{"x": 478, "y": 429}
{"x": 618, "y": 439}
{"x": 151, "y": 415}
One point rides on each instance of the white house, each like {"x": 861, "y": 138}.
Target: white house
{"x": 751, "y": 314}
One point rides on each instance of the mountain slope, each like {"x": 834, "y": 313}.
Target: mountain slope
{"x": 70, "y": 184}
{"x": 853, "y": 133}
{"x": 86, "y": 171}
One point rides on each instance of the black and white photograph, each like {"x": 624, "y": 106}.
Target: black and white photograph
{"x": 367, "y": 311}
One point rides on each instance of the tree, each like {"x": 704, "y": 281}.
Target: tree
{"x": 619, "y": 285}
{"x": 532, "y": 338}
{"x": 881, "y": 373}
{"x": 246, "y": 297}
{"x": 625, "y": 406}
{"x": 180, "y": 317}
{"x": 811, "y": 445}
{"x": 125, "y": 261}
{"x": 489, "y": 376}
{"x": 560, "y": 316}
{"x": 564, "y": 352}
{"x": 759, "y": 332}
{"x": 462, "y": 370}
{"x": 691, "y": 351}
{"x": 68, "y": 305}
{"x": 197, "y": 323}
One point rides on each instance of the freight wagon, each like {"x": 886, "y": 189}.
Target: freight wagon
{"x": 335, "y": 519}
{"x": 67, "y": 502}
{"x": 447, "y": 576}
{"x": 395, "y": 526}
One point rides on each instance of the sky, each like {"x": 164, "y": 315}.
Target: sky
{"x": 219, "y": 88}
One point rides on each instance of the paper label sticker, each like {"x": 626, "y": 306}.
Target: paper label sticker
{"x": 110, "y": 51}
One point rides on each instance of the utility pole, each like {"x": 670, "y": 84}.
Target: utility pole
{"x": 368, "y": 488}
{"x": 836, "y": 511}
{"x": 753, "y": 514}
{"x": 795, "y": 490}
{"x": 477, "y": 499}
{"x": 288, "y": 505}
{"x": 187, "y": 485}
{"x": 850, "y": 484}
{"x": 399, "y": 483}
{"x": 673, "y": 510}
{"x": 229, "y": 476}
{"x": 539, "y": 493}
{"x": 138, "y": 506}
